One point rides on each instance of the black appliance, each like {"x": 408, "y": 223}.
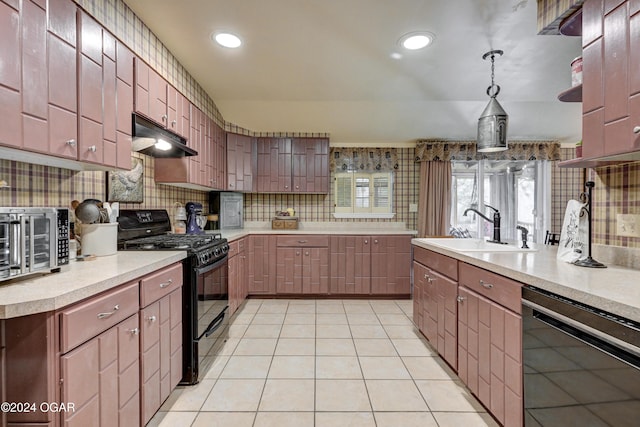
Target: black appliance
{"x": 147, "y": 135}
{"x": 205, "y": 294}
{"x": 581, "y": 364}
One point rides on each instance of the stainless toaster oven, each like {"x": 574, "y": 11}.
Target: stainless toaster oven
{"x": 33, "y": 240}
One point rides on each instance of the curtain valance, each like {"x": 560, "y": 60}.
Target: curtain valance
{"x": 348, "y": 159}
{"x": 429, "y": 150}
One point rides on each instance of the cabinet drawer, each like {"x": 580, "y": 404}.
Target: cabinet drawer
{"x": 234, "y": 248}
{"x": 499, "y": 289}
{"x": 303, "y": 241}
{"x": 85, "y": 320}
{"x": 435, "y": 261}
{"x": 156, "y": 285}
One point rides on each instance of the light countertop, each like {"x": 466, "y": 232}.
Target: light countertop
{"x": 324, "y": 228}
{"x": 613, "y": 289}
{"x": 80, "y": 280}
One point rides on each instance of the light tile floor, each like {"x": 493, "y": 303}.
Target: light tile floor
{"x": 324, "y": 363}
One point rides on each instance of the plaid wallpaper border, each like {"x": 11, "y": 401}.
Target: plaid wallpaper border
{"x": 616, "y": 191}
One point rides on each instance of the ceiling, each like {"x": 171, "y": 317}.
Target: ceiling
{"x": 327, "y": 66}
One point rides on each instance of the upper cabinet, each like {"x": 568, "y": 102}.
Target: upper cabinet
{"x": 158, "y": 100}
{"x": 611, "y": 82}
{"x": 67, "y": 87}
{"x": 105, "y": 96}
{"x": 292, "y": 165}
{"x": 240, "y": 163}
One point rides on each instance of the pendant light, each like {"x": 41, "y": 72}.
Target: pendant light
{"x": 492, "y": 124}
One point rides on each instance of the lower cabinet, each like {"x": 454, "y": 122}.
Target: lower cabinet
{"x": 436, "y": 301}
{"x": 238, "y": 274}
{"x": 302, "y": 265}
{"x": 490, "y": 342}
{"x": 101, "y": 378}
{"x": 370, "y": 265}
{"x": 262, "y": 261}
{"x": 160, "y": 339}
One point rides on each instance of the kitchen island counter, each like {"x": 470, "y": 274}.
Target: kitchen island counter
{"x": 80, "y": 280}
{"x": 613, "y": 289}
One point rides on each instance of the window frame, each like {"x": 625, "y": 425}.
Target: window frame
{"x": 371, "y": 211}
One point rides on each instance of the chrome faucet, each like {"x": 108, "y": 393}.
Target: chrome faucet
{"x": 495, "y": 221}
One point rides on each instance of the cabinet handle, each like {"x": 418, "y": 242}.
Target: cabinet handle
{"x": 151, "y": 319}
{"x": 109, "y": 313}
{"x": 636, "y": 129}
{"x": 366, "y": 242}
{"x": 71, "y": 142}
{"x": 485, "y": 285}
{"x": 164, "y": 117}
{"x": 297, "y": 253}
{"x": 173, "y": 123}
{"x": 134, "y": 331}
{"x": 430, "y": 280}
{"x": 302, "y": 241}
{"x": 297, "y": 187}
{"x": 93, "y": 149}
{"x": 375, "y": 241}
{"x": 426, "y": 276}
{"x": 167, "y": 283}
{"x": 307, "y": 253}
{"x": 230, "y": 185}
{"x": 460, "y": 298}
{"x": 286, "y": 187}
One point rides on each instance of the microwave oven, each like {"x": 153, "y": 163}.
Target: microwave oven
{"x": 33, "y": 240}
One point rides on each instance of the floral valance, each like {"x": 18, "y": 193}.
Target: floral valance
{"x": 428, "y": 150}
{"x": 363, "y": 159}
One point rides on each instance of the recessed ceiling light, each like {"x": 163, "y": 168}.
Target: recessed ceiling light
{"x": 227, "y": 40}
{"x": 417, "y": 40}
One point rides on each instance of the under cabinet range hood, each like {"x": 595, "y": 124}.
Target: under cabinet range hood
{"x": 155, "y": 141}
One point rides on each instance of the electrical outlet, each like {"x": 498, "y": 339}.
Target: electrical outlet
{"x": 413, "y": 207}
{"x": 628, "y": 225}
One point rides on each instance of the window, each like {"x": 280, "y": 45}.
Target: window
{"x": 363, "y": 195}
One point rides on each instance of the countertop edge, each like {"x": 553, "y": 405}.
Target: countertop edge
{"x": 235, "y": 234}
{"x": 79, "y": 291}
{"x": 617, "y": 307}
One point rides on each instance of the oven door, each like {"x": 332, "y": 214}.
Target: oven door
{"x": 212, "y": 297}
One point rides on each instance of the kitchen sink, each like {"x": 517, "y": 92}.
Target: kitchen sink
{"x": 475, "y": 245}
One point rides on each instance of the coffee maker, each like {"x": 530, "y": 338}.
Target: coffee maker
{"x": 194, "y": 210}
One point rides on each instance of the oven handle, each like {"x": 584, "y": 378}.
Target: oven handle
{"x": 208, "y": 268}
{"x": 599, "y": 340}
{"x": 215, "y": 324}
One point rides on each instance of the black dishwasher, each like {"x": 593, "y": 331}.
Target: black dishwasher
{"x": 581, "y": 364}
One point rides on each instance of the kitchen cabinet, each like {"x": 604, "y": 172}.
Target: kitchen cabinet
{"x": 156, "y": 99}
{"x": 436, "y": 276}
{"x": 105, "y": 96}
{"x": 207, "y": 170}
{"x": 238, "y": 274}
{"x": 292, "y": 165}
{"x": 490, "y": 341}
{"x": 99, "y": 362}
{"x": 160, "y": 338}
{"x": 611, "y": 78}
{"x": 371, "y": 265}
{"x": 240, "y": 164}
{"x": 10, "y": 76}
{"x": 262, "y": 264}
{"x": 302, "y": 264}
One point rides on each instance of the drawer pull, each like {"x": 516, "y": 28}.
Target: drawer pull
{"x": 297, "y": 253}
{"x": 460, "y": 298}
{"x": 302, "y": 241}
{"x": 307, "y": 253}
{"x": 426, "y": 276}
{"x": 636, "y": 129}
{"x": 486, "y": 285}
{"x": 151, "y": 319}
{"x": 375, "y": 241}
{"x": 167, "y": 283}
{"x": 430, "y": 280}
{"x": 366, "y": 242}
{"x": 109, "y": 313}
{"x": 134, "y": 331}
{"x": 92, "y": 149}
{"x": 71, "y": 143}
{"x": 164, "y": 117}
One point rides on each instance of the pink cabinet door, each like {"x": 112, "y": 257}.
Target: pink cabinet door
{"x": 289, "y": 270}
{"x": 158, "y": 98}
{"x": 234, "y": 291}
{"x": 391, "y": 265}
{"x": 419, "y": 278}
{"x": 315, "y": 270}
{"x": 262, "y": 259}
{"x": 141, "y": 99}
{"x": 102, "y": 378}
{"x": 310, "y": 169}
{"x": 350, "y": 265}
{"x": 234, "y": 178}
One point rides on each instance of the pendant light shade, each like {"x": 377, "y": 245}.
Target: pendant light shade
{"x": 492, "y": 124}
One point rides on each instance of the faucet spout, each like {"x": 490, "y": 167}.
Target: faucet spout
{"x": 495, "y": 221}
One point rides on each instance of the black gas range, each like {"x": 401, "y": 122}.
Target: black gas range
{"x": 205, "y": 295}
